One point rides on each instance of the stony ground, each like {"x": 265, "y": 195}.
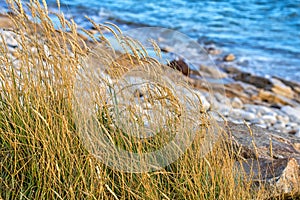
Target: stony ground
{"x": 272, "y": 103}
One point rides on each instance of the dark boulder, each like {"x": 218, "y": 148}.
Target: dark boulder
{"x": 257, "y": 81}
{"x": 181, "y": 66}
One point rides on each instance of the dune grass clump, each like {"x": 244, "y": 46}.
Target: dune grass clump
{"x": 42, "y": 153}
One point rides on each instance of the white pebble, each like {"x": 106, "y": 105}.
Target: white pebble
{"x": 258, "y": 121}
{"x": 250, "y": 108}
{"x": 205, "y": 103}
{"x": 236, "y": 103}
{"x": 261, "y": 125}
{"x": 243, "y": 115}
{"x": 283, "y": 118}
{"x": 294, "y": 113}
{"x": 279, "y": 126}
{"x": 269, "y": 119}
{"x": 298, "y": 133}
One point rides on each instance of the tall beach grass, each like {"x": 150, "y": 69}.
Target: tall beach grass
{"x": 42, "y": 155}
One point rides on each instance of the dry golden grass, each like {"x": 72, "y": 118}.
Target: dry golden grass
{"x": 42, "y": 155}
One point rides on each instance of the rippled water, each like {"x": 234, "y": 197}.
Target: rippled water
{"x": 264, "y": 34}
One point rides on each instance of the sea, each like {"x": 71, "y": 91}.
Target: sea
{"x": 264, "y": 35}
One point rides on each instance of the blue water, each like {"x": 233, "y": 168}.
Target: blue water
{"x": 263, "y": 34}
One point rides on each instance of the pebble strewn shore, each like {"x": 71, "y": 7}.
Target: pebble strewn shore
{"x": 268, "y": 102}
{"x": 283, "y": 119}
{"x": 272, "y": 103}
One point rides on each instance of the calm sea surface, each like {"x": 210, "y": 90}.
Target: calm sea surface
{"x": 263, "y": 34}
